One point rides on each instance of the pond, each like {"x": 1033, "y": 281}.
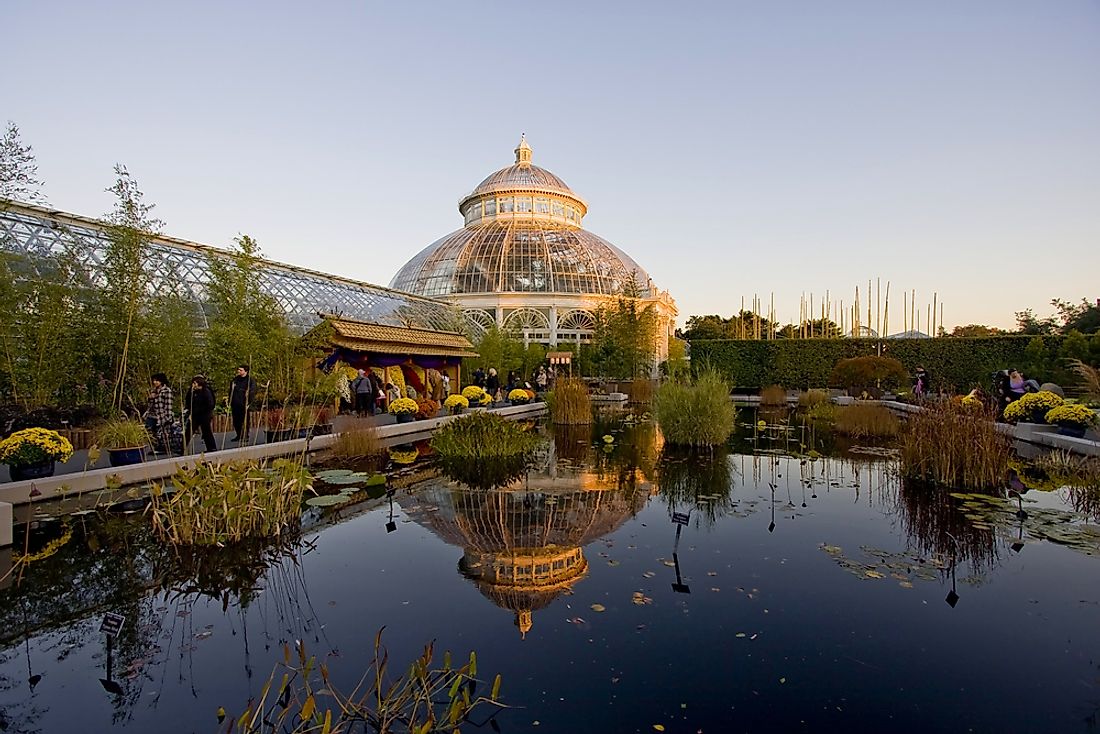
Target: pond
{"x": 788, "y": 583}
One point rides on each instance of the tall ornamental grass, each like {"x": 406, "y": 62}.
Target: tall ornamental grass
{"x": 569, "y": 402}
{"x": 224, "y": 503}
{"x": 697, "y": 414}
{"x": 954, "y": 447}
{"x": 773, "y": 395}
{"x": 866, "y": 420}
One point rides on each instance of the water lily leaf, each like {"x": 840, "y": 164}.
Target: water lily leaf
{"x": 328, "y": 500}
{"x": 598, "y": 608}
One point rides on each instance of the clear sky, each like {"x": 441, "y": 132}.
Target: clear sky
{"x": 730, "y": 147}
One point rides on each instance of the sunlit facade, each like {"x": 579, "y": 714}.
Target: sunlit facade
{"x": 523, "y": 261}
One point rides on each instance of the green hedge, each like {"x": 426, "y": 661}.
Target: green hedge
{"x": 954, "y": 363}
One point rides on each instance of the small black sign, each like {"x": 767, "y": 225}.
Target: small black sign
{"x": 111, "y": 624}
{"x": 680, "y": 518}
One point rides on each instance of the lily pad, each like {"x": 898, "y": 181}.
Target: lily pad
{"x": 328, "y": 500}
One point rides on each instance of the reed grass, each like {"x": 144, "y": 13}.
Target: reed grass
{"x": 954, "y": 447}
{"x": 358, "y": 444}
{"x": 1089, "y": 378}
{"x": 699, "y": 414}
{"x": 826, "y": 411}
{"x": 641, "y": 391}
{"x": 866, "y": 420}
{"x": 773, "y": 395}
{"x": 811, "y": 398}
{"x": 224, "y": 503}
{"x": 428, "y": 696}
{"x": 569, "y": 402}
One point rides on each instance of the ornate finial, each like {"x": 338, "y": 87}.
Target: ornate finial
{"x": 523, "y": 150}
{"x": 524, "y": 622}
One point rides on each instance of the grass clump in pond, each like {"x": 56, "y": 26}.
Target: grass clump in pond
{"x": 359, "y": 445}
{"x": 569, "y": 402}
{"x": 810, "y": 398}
{"x": 224, "y": 503}
{"x": 866, "y": 420}
{"x": 483, "y": 436}
{"x": 773, "y": 395}
{"x": 695, "y": 414}
{"x": 300, "y": 696}
{"x": 954, "y": 447}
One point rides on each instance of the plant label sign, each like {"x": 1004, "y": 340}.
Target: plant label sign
{"x": 680, "y": 518}
{"x": 111, "y": 624}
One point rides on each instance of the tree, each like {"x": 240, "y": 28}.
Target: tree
{"x": 121, "y": 304}
{"x": 1028, "y": 323}
{"x": 247, "y": 326}
{"x": 18, "y": 169}
{"x": 976, "y": 330}
{"x": 624, "y": 342}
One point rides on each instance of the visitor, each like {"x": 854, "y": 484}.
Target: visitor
{"x": 446, "y": 385}
{"x": 242, "y": 391}
{"x": 1018, "y": 385}
{"x": 541, "y": 379}
{"x": 492, "y": 384}
{"x": 392, "y": 394}
{"x": 376, "y": 389}
{"x": 922, "y": 383}
{"x": 364, "y": 394}
{"x": 479, "y": 378}
{"x": 159, "y": 418}
{"x": 513, "y": 381}
{"x": 200, "y": 412}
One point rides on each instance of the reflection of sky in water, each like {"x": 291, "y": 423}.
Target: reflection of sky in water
{"x": 830, "y": 650}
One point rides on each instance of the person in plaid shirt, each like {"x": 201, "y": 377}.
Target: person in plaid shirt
{"x": 159, "y": 418}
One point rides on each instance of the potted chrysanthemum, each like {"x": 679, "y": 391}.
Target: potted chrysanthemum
{"x": 519, "y": 396}
{"x": 1072, "y": 419}
{"x": 404, "y": 409}
{"x": 456, "y": 404}
{"x": 32, "y": 452}
{"x": 476, "y": 396}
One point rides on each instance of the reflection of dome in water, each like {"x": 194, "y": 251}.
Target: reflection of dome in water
{"x": 522, "y": 548}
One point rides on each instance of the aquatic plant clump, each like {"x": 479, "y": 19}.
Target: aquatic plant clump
{"x": 224, "y": 503}
{"x": 300, "y": 696}
{"x": 866, "y": 420}
{"x": 483, "y": 436}
{"x": 697, "y": 414}
{"x": 358, "y": 443}
{"x": 569, "y": 403}
{"x": 773, "y": 395}
{"x": 954, "y": 447}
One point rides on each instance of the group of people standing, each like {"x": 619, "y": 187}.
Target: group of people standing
{"x": 199, "y": 403}
{"x": 490, "y": 382}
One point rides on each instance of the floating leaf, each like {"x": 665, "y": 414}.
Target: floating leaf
{"x": 328, "y": 500}
{"x": 598, "y": 608}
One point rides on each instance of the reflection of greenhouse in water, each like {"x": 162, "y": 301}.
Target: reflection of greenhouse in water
{"x": 524, "y": 543}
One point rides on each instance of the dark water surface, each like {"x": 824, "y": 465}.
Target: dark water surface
{"x": 812, "y": 596}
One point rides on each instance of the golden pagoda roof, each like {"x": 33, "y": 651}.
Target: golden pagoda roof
{"x": 366, "y": 337}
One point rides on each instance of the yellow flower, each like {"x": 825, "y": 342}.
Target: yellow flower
{"x": 34, "y": 445}
{"x": 403, "y": 405}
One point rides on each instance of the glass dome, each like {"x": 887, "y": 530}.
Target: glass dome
{"x": 522, "y": 235}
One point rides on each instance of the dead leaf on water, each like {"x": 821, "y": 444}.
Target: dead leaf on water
{"x": 598, "y": 608}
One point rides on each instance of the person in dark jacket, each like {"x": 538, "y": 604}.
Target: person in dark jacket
{"x": 364, "y": 392}
{"x": 479, "y": 377}
{"x": 200, "y": 412}
{"x": 242, "y": 391}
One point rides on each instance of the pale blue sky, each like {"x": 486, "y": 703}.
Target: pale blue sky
{"x": 729, "y": 147}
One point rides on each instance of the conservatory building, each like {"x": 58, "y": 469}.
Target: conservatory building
{"x": 524, "y": 262}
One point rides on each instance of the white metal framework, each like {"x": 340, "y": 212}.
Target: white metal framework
{"x": 37, "y": 235}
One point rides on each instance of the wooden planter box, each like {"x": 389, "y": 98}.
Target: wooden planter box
{"x": 80, "y": 438}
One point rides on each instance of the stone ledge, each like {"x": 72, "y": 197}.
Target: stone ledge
{"x": 93, "y": 480}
